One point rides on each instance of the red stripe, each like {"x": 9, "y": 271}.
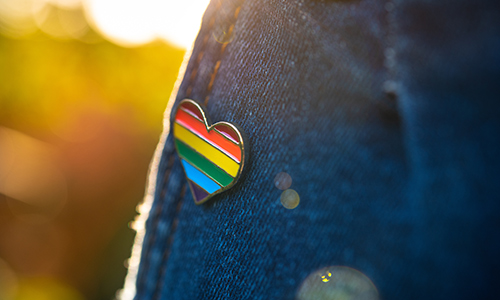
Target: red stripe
{"x": 213, "y": 137}
{"x": 193, "y": 109}
{"x": 228, "y": 132}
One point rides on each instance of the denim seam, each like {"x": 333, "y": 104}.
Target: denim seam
{"x": 170, "y": 241}
{"x": 222, "y": 49}
{"x": 156, "y": 218}
{"x": 202, "y": 52}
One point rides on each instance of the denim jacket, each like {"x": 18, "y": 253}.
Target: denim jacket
{"x": 386, "y": 117}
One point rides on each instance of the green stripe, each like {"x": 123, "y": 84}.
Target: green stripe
{"x": 203, "y": 164}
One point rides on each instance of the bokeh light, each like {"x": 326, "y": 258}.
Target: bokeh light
{"x": 84, "y": 87}
{"x": 282, "y": 180}
{"x": 290, "y": 199}
{"x": 337, "y": 283}
{"x": 124, "y": 22}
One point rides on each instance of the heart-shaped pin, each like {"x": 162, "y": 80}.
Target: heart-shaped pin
{"x": 213, "y": 156}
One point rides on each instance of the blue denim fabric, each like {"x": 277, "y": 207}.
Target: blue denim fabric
{"x": 387, "y": 117}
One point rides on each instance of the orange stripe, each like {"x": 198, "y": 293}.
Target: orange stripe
{"x": 213, "y": 137}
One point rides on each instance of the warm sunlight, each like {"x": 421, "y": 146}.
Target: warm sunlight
{"x": 124, "y": 22}
{"x": 131, "y": 22}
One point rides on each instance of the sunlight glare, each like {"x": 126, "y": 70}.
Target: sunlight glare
{"x": 134, "y": 22}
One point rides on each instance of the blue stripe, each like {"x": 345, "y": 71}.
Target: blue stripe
{"x": 199, "y": 178}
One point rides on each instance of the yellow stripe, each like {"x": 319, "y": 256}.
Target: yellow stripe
{"x": 210, "y": 152}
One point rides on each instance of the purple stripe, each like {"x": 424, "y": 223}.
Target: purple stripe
{"x": 198, "y": 193}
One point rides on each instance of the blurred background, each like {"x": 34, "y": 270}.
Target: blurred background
{"x": 83, "y": 87}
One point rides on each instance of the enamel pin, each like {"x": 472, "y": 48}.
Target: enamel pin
{"x": 212, "y": 156}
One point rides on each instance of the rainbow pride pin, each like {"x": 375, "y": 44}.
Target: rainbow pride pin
{"x": 212, "y": 156}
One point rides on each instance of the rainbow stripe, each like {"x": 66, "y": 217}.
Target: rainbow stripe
{"x": 211, "y": 159}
